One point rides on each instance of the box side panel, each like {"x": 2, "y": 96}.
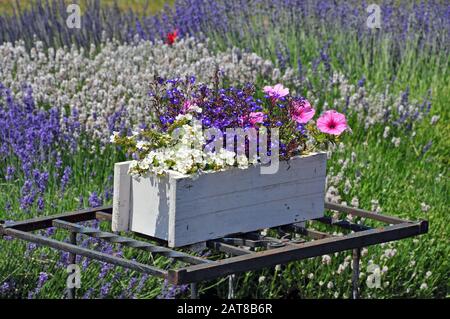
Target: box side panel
{"x": 248, "y": 198}
{"x": 121, "y": 198}
{"x": 171, "y": 192}
{"x": 249, "y": 201}
{"x": 237, "y": 180}
{"x": 245, "y": 219}
{"x": 151, "y": 206}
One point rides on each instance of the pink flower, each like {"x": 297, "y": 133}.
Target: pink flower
{"x": 277, "y": 91}
{"x": 256, "y": 117}
{"x": 301, "y": 111}
{"x": 332, "y": 122}
{"x": 187, "y": 106}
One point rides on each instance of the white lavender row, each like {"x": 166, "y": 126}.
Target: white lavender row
{"x": 100, "y": 83}
{"x": 107, "y": 87}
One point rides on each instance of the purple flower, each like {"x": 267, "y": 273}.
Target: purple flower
{"x": 43, "y": 278}
{"x": 95, "y": 200}
{"x": 88, "y": 293}
{"x": 40, "y": 203}
{"x": 104, "y": 290}
{"x": 65, "y": 178}
{"x": 4, "y": 288}
{"x": 105, "y": 270}
{"x": 10, "y": 170}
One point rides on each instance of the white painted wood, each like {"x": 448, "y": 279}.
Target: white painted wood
{"x": 121, "y": 197}
{"x": 184, "y": 211}
{"x": 245, "y": 219}
{"x": 151, "y": 206}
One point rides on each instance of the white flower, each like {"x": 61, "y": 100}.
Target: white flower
{"x": 386, "y": 132}
{"x": 423, "y": 286}
{"x": 347, "y": 186}
{"x": 330, "y": 285}
{"x": 242, "y": 161}
{"x": 142, "y": 144}
{"x": 396, "y": 141}
{"x": 428, "y": 274}
{"x": 326, "y": 259}
{"x": 261, "y": 279}
{"x": 364, "y": 252}
{"x": 355, "y": 202}
{"x": 434, "y": 119}
{"x": 425, "y": 207}
{"x": 310, "y": 276}
{"x": 101, "y": 82}
{"x": 113, "y": 137}
{"x": 342, "y": 267}
{"x": 389, "y": 253}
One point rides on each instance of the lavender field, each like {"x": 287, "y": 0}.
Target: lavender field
{"x": 65, "y": 91}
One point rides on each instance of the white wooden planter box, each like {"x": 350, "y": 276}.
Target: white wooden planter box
{"x": 184, "y": 211}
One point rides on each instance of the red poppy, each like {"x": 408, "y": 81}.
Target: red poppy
{"x": 171, "y": 37}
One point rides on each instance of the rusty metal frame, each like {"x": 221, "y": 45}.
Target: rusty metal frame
{"x": 245, "y": 252}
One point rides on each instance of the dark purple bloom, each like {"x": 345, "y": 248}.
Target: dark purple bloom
{"x": 10, "y": 170}
{"x": 95, "y": 200}
{"x": 65, "y": 178}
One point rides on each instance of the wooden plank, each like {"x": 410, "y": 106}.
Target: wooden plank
{"x": 244, "y": 219}
{"x": 187, "y": 209}
{"x": 121, "y": 198}
{"x": 237, "y": 180}
{"x": 151, "y": 206}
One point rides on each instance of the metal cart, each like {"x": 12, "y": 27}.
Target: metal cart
{"x": 243, "y": 252}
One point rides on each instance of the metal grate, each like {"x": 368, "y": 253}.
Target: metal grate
{"x": 245, "y": 252}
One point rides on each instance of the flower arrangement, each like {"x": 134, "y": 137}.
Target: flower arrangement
{"x": 180, "y": 139}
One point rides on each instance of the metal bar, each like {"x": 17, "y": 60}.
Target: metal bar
{"x": 129, "y": 242}
{"x": 133, "y": 265}
{"x": 342, "y": 223}
{"x": 286, "y": 254}
{"x": 364, "y": 213}
{"x": 355, "y": 274}
{"x": 226, "y": 248}
{"x": 231, "y": 279}
{"x": 71, "y": 292}
{"x": 103, "y": 216}
{"x": 194, "y": 290}
{"x": 257, "y": 240}
{"x": 311, "y": 233}
{"x": 241, "y": 242}
{"x": 73, "y": 217}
